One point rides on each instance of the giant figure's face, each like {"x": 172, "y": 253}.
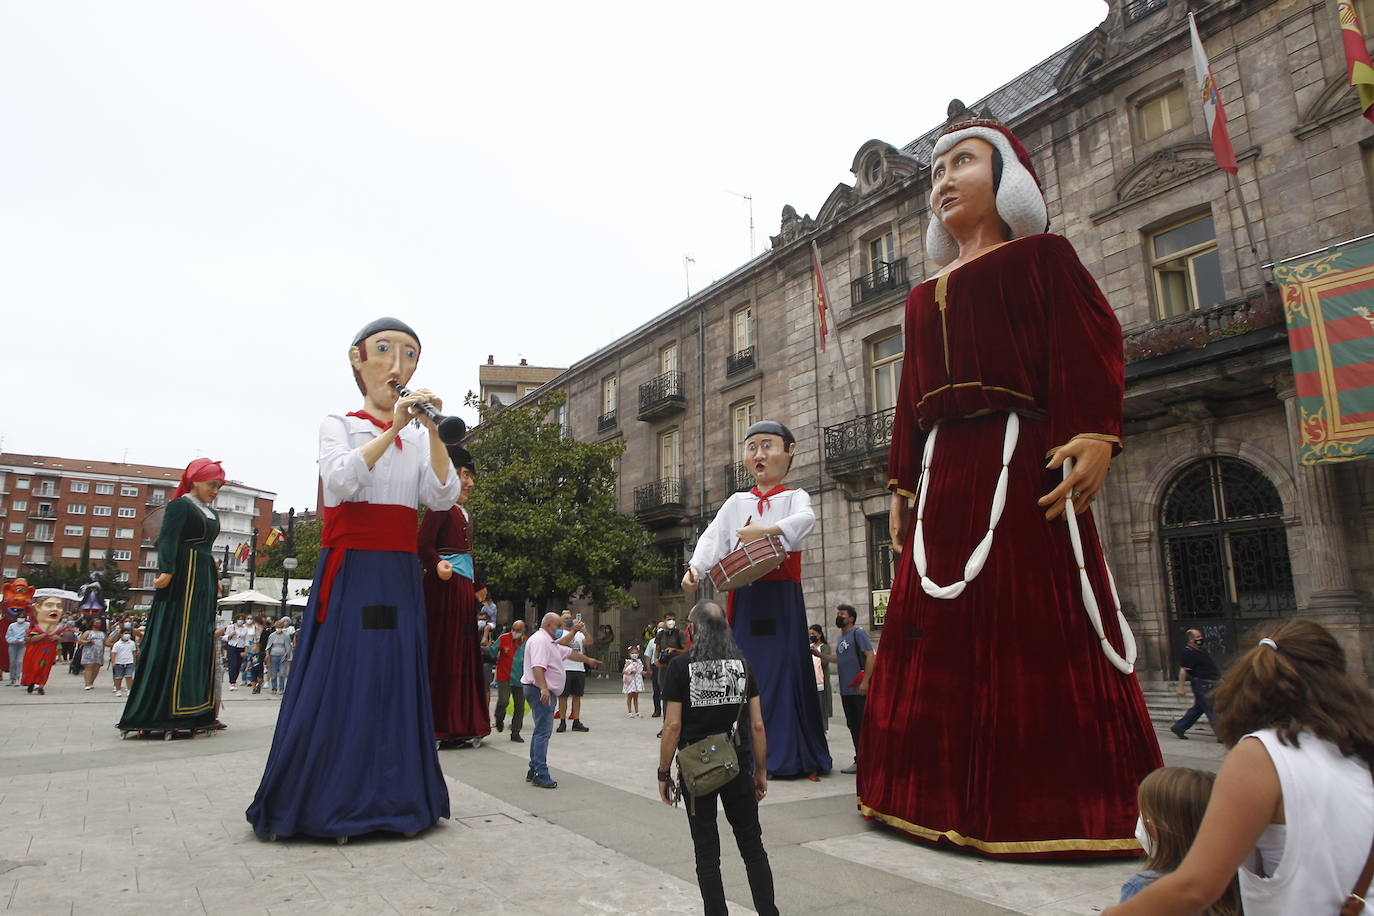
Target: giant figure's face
{"x": 962, "y": 192}
{"x": 49, "y": 611}
{"x": 381, "y": 358}
{"x": 206, "y": 490}
{"x": 768, "y": 457}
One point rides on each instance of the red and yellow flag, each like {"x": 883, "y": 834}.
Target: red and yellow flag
{"x": 273, "y": 537}
{"x": 1357, "y": 63}
{"x": 822, "y": 294}
{"x": 242, "y": 553}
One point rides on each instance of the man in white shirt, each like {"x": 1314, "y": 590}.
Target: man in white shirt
{"x": 123, "y": 652}
{"x": 575, "y": 677}
{"x": 15, "y": 634}
{"x": 237, "y": 636}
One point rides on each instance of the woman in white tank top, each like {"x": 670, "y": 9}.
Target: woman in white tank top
{"x": 1292, "y": 811}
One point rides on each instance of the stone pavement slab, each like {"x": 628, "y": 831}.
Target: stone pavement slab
{"x": 88, "y": 820}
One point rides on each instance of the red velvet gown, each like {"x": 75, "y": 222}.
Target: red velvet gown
{"x": 457, "y": 680}
{"x": 994, "y": 720}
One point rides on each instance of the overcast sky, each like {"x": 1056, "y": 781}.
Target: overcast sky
{"x": 200, "y": 203}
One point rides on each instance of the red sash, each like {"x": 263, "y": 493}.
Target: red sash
{"x": 361, "y": 526}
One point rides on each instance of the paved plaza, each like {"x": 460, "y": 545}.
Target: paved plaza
{"x": 90, "y": 823}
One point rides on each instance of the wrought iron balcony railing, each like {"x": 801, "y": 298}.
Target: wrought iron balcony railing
{"x": 662, "y": 394}
{"x": 860, "y": 437}
{"x": 606, "y": 421}
{"x": 739, "y": 362}
{"x": 885, "y": 277}
{"x": 661, "y": 494}
{"x": 737, "y": 478}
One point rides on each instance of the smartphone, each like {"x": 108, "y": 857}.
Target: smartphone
{"x": 579, "y": 618}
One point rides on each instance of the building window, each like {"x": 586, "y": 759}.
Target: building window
{"x": 741, "y": 329}
{"x": 610, "y": 394}
{"x": 101, "y": 510}
{"x": 125, "y": 533}
{"x": 45, "y": 509}
{"x": 81, "y": 486}
{"x": 122, "y": 554}
{"x": 104, "y": 489}
{"x": 148, "y": 578}
{"x": 22, "y": 483}
{"x": 42, "y": 532}
{"x": 150, "y": 558}
{"x": 16, "y": 527}
{"x": 20, "y": 505}
{"x": 11, "y": 550}
{"x": 128, "y": 512}
{"x": 882, "y": 250}
{"x": 1187, "y": 267}
{"x": 882, "y": 565}
{"x": 126, "y": 490}
{"x": 885, "y": 374}
{"x": 667, "y": 359}
{"x": 158, "y": 497}
{"x": 98, "y": 532}
{"x": 1162, "y": 113}
{"x": 670, "y": 455}
{"x": 874, "y": 170}
{"x": 743, "y": 415}
{"x": 76, "y": 508}
{"x": 74, "y": 531}
{"x": 71, "y": 553}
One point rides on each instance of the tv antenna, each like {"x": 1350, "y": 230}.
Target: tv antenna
{"x": 687, "y": 262}
{"x": 749, "y": 198}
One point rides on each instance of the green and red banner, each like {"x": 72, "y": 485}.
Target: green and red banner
{"x": 1329, "y": 304}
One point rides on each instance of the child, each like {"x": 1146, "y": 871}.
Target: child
{"x": 632, "y": 682}
{"x": 1172, "y": 801}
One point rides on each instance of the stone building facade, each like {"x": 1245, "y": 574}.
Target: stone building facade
{"x": 1208, "y": 518}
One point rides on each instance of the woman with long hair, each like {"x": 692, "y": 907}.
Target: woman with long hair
{"x": 1292, "y": 812}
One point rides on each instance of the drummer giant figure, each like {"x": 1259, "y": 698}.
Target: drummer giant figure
{"x": 768, "y": 616}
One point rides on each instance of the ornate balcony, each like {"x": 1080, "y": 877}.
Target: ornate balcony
{"x": 737, "y": 478}
{"x": 739, "y": 362}
{"x": 661, "y": 396}
{"x": 887, "y": 277}
{"x": 606, "y": 422}
{"x": 856, "y": 450}
{"x": 659, "y": 503}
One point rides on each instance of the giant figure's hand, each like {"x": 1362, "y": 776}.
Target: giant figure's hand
{"x": 689, "y": 580}
{"x": 162, "y": 580}
{"x": 898, "y": 511}
{"x": 444, "y": 570}
{"x": 1092, "y": 459}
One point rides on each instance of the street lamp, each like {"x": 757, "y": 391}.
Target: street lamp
{"x": 289, "y": 562}
{"x": 253, "y": 560}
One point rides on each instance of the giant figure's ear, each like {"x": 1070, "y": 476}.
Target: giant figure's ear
{"x": 356, "y": 355}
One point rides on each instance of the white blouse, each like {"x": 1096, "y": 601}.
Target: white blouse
{"x": 401, "y": 477}
{"x": 790, "y": 511}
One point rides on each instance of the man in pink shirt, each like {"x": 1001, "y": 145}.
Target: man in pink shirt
{"x": 543, "y": 682}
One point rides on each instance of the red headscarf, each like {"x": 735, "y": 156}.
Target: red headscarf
{"x": 199, "y": 470}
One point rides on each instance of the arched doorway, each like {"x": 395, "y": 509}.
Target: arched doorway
{"x": 1225, "y": 549}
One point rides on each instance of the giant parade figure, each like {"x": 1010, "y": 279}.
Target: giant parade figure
{"x": 353, "y": 750}
{"x": 457, "y": 680}
{"x": 768, "y": 612}
{"x": 1003, "y": 713}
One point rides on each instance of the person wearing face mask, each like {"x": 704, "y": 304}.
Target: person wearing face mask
{"x": 768, "y": 616}
{"x": 819, "y": 650}
{"x": 632, "y": 682}
{"x": 510, "y": 666}
{"x": 854, "y": 660}
{"x": 123, "y": 653}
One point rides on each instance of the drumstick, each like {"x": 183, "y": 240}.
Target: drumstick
{"x": 745, "y": 525}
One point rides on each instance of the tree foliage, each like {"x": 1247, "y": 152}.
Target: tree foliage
{"x": 545, "y": 515}
{"x": 306, "y": 542}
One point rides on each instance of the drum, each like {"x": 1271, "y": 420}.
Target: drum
{"x": 748, "y": 562}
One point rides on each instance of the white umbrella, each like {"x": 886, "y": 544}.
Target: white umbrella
{"x": 249, "y": 597}
{"x": 298, "y": 601}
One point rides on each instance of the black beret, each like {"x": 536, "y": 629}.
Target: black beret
{"x": 772, "y": 427}
{"x": 384, "y": 324}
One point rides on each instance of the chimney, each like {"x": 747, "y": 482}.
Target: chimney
{"x": 524, "y": 362}
{"x": 491, "y": 360}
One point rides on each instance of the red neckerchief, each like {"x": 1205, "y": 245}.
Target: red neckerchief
{"x": 364, "y": 415}
{"x": 764, "y": 497}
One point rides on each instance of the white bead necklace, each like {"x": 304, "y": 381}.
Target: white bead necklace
{"x": 979, "y": 557}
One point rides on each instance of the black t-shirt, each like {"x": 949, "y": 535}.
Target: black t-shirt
{"x": 709, "y": 691}
{"x": 1199, "y": 664}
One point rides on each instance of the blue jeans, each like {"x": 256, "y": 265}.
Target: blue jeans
{"x": 543, "y": 728}
{"x": 1202, "y": 703}
{"x": 277, "y": 665}
{"x": 16, "y": 661}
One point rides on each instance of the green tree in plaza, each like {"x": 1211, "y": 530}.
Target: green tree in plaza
{"x": 544, "y": 510}
{"x": 306, "y": 546}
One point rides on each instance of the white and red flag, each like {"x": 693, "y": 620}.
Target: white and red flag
{"x": 1212, "y": 108}
{"x": 822, "y": 294}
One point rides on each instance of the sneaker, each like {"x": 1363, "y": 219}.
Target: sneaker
{"x": 233, "y": 686}
{"x": 516, "y": 738}
{"x": 529, "y": 776}
{"x": 115, "y": 691}
{"x": 87, "y": 687}
{"x": 579, "y": 727}
{"x": 851, "y": 769}
{"x": 562, "y": 726}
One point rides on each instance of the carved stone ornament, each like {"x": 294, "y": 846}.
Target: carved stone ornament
{"x": 1165, "y": 167}
{"x": 793, "y": 227}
